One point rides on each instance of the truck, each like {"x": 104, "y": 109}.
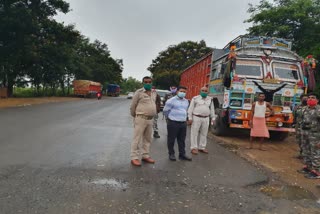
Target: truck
{"x": 86, "y": 88}
{"x": 245, "y": 67}
{"x": 113, "y": 90}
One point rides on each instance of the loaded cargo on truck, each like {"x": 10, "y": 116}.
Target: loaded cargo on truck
{"x": 86, "y": 88}
{"x": 243, "y": 68}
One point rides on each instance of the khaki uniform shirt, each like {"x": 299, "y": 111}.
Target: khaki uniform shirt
{"x": 201, "y": 106}
{"x": 143, "y": 104}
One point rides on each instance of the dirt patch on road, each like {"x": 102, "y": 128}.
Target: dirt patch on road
{"x": 14, "y": 102}
{"x": 280, "y": 158}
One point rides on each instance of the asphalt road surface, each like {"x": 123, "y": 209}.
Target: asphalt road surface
{"x": 74, "y": 157}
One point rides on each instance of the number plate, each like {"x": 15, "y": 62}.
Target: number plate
{"x": 271, "y": 124}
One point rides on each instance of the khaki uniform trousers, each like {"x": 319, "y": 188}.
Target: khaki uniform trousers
{"x": 199, "y": 126}
{"x": 141, "y": 138}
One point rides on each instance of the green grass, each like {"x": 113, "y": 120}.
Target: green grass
{"x": 31, "y": 92}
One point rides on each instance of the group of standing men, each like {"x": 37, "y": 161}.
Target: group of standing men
{"x": 307, "y": 121}
{"x": 178, "y": 113}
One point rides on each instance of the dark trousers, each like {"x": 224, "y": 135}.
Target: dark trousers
{"x": 176, "y": 130}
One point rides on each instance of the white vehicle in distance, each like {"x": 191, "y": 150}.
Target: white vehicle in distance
{"x": 130, "y": 95}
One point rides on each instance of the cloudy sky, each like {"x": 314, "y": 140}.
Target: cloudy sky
{"x": 137, "y": 30}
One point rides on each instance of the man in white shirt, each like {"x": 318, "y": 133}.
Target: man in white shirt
{"x": 200, "y": 111}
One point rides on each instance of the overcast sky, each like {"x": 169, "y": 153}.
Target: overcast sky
{"x": 137, "y": 30}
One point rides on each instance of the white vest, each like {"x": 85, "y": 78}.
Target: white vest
{"x": 260, "y": 110}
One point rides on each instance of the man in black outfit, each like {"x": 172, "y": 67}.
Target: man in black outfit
{"x": 268, "y": 92}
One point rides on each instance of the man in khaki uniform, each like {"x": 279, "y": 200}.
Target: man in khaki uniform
{"x": 143, "y": 109}
{"x": 200, "y": 111}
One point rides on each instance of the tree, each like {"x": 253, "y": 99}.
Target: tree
{"x": 297, "y": 20}
{"x": 20, "y": 23}
{"x": 130, "y": 84}
{"x": 169, "y": 64}
{"x": 35, "y": 46}
{"x": 166, "y": 79}
{"x": 101, "y": 67}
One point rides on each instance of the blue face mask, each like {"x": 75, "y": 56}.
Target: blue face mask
{"x": 173, "y": 90}
{"x": 181, "y": 94}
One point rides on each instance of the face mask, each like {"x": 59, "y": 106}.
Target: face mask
{"x": 147, "y": 86}
{"x": 312, "y": 102}
{"x": 181, "y": 94}
{"x": 203, "y": 94}
{"x": 173, "y": 91}
{"x": 304, "y": 102}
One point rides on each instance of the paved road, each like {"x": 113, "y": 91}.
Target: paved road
{"x": 73, "y": 157}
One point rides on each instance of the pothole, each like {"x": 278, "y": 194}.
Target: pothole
{"x": 287, "y": 192}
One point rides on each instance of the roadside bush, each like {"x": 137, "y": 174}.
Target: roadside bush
{"x": 31, "y": 92}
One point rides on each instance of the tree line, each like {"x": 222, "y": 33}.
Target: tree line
{"x": 36, "y": 49}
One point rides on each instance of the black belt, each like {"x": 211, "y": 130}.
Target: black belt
{"x": 200, "y": 116}
{"x": 176, "y": 121}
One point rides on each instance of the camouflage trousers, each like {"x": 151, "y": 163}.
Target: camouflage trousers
{"x": 155, "y": 123}
{"x": 299, "y": 139}
{"x": 311, "y": 150}
{"x": 315, "y": 151}
{"x": 306, "y": 152}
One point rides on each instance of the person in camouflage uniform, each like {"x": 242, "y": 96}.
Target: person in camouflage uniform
{"x": 156, "y": 117}
{"x": 298, "y": 120}
{"x": 311, "y": 134}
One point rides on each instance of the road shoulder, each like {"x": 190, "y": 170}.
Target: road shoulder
{"x": 18, "y": 102}
{"x": 279, "y": 159}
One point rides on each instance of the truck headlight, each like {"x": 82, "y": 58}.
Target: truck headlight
{"x": 280, "y": 124}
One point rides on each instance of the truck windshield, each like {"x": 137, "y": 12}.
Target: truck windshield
{"x": 286, "y": 71}
{"x": 249, "y": 68}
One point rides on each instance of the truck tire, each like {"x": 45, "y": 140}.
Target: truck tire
{"x": 219, "y": 128}
{"x": 278, "y": 135}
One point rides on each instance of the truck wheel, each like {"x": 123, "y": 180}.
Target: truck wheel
{"x": 279, "y": 135}
{"x": 219, "y": 128}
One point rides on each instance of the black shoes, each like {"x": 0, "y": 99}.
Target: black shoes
{"x": 303, "y": 171}
{"x": 312, "y": 175}
{"x": 185, "y": 157}
{"x": 172, "y": 157}
{"x": 156, "y": 135}
{"x": 181, "y": 157}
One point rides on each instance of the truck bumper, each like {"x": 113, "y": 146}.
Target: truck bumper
{"x": 281, "y": 129}
{"x": 278, "y": 129}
